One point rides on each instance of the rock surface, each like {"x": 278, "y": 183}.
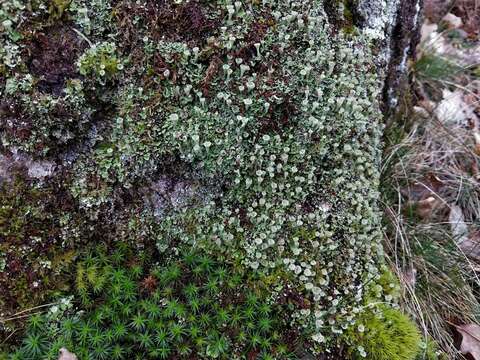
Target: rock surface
{"x": 250, "y": 130}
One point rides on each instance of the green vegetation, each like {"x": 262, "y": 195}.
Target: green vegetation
{"x": 195, "y": 305}
{"x": 31, "y": 249}
{"x": 431, "y": 69}
{"x": 430, "y": 170}
{"x": 248, "y": 132}
{"x": 100, "y": 62}
{"x": 385, "y": 334}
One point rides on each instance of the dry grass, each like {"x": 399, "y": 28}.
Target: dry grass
{"x": 431, "y": 166}
{"x": 440, "y": 283}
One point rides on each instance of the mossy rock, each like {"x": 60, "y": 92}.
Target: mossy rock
{"x": 268, "y": 108}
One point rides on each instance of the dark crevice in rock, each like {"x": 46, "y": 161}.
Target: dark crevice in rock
{"x": 344, "y": 14}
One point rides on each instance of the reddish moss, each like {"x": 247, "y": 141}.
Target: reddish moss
{"x": 52, "y": 57}
{"x": 165, "y": 21}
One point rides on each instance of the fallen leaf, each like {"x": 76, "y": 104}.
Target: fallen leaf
{"x": 453, "y": 109}
{"x": 426, "y": 206}
{"x": 421, "y": 112}
{"x": 427, "y": 105}
{"x": 435, "y": 9}
{"x": 438, "y": 43}
{"x": 458, "y": 226}
{"x": 468, "y": 11}
{"x": 424, "y": 188}
{"x": 469, "y": 243}
{"x": 471, "y": 247}
{"x": 470, "y": 344}
{"x": 476, "y": 136}
{"x": 409, "y": 277}
{"x": 475, "y": 126}
{"x": 453, "y": 21}
{"x": 427, "y": 31}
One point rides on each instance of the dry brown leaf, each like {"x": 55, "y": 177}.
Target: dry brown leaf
{"x": 421, "y": 112}
{"x": 476, "y": 136}
{"x": 435, "y": 9}
{"x": 409, "y": 277}
{"x": 427, "y": 31}
{"x": 453, "y": 108}
{"x": 458, "y": 226}
{"x": 439, "y": 44}
{"x": 452, "y": 21}
{"x": 471, "y": 246}
{"x": 471, "y": 249}
{"x": 470, "y": 340}
{"x": 426, "y": 206}
{"x": 468, "y": 242}
{"x": 423, "y": 189}
{"x": 468, "y": 11}
{"x": 428, "y": 105}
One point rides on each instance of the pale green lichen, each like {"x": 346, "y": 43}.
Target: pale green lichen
{"x": 100, "y": 62}
{"x": 324, "y": 156}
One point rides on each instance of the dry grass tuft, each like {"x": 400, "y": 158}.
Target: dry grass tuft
{"x": 431, "y": 189}
{"x": 424, "y": 176}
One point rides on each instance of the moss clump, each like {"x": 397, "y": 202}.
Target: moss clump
{"x": 33, "y": 254}
{"x": 343, "y": 14}
{"x": 58, "y": 7}
{"x": 431, "y": 351}
{"x": 195, "y": 306}
{"x": 384, "y": 333}
{"x": 100, "y": 62}
{"x": 386, "y": 287}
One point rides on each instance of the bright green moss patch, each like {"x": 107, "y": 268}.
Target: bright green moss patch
{"x": 384, "y": 333}
{"x": 194, "y": 306}
{"x": 100, "y": 62}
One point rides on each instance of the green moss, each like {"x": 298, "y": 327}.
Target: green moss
{"x": 342, "y": 14}
{"x": 431, "y": 351}
{"x": 100, "y": 62}
{"x": 196, "y": 305}
{"x": 384, "y": 334}
{"x": 31, "y": 251}
{"x": 58, "y": 7}
{"x": 15, "y": 202}
{"x": 348, "y": 13}
{"x": 386, "y": 286}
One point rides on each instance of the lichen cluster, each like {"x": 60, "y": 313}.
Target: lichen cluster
{"x": 269, "y": 109}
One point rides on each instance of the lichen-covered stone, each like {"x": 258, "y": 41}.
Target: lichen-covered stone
{"x": 263, "y": 116}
